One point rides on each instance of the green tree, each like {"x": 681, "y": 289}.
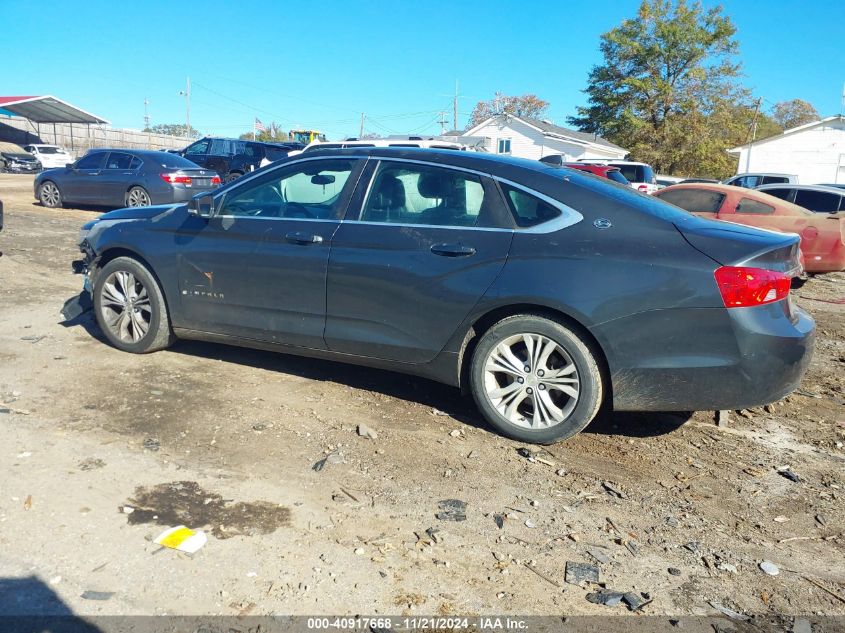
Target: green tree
{"x": 274, "y": 133}
{"x": 174, "y": 129}
{"x": 788, "y": 114}
{"x": 527, "y": 105}
{"x": 667, "y": 89}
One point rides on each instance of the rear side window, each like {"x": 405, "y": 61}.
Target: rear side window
{"x": 119, "y": 160}
{"x": 529, "y": 210}
{"x": 747, "y": 205}
{"x": 783, "y": 193}
{"x": 200, "y": 147}
{"x": 648, "y": 175}
{"x": 136, "y": 163}
{"x": 423, "y": 194}
{"x": 695, "y": 200}
{"x": 817, "y": 201}
{"x": 221, "y": 147}
{"x": 774, "y": 180}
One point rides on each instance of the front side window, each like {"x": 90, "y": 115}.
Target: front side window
{"x": 694, "y": 200}
{"x": 119, "y": 160}
{"x": 92, "y": 161}
{"x": 504, "y": 146}
{"x": 818, "y": 201}
{"x": 528, "y": 210}
{"x": 747, "y": 205}
{"x": 310, "y": 190}
{"x": 200, "y": 147}
{"x": 404, "y": 193}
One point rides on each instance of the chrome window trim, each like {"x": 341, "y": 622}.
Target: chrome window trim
{"x": 258, "y": 217}
{"x": 568, "y": 216}
{"x": 431, "y": 226}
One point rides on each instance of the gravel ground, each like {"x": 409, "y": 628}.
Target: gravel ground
{"x": 226, "y": 440}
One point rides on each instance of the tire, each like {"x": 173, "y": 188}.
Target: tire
{"x": 232, "y": 176}
{"x": 138, "y": 197}
{"x": 569, "y": 400}
{"x": 49, "y": 194}
{"x": 147, "y": 328}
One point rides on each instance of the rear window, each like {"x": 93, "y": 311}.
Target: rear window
{"x": 636, "y": 173}
{"x": 173, "y": 161}
{"x": 817, "y": 201}
{"x": 697, "y": 200}
{"x": 616, "y": 176}
{"x": 48, "y": 150}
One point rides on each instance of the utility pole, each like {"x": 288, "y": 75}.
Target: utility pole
{"x": 361, "y": 131}
{"x": 146, "y": 114}
{"x": 455, "y": 107}
{"x": 753, "y": 134}
{"x": 442, "y": 122}
{"x": 187, "y": 94}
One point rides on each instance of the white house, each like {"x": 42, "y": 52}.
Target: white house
{"x": 525, "y": 137}
{"x": 815, "y": 152}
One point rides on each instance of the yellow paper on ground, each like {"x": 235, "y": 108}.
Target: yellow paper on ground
{"x": 183, "y": 539}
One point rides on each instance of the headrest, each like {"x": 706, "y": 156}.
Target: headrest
{"x": 435, "y": 185}
{"x": 390, "y": 193}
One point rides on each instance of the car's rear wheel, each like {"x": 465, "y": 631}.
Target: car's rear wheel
{"x": 535, "y": 380}
{"x": 49, "y": 195}
{"x": 137, "y": 197}
{"x": 130, "y": 307}
{"x": 232, "y": 176}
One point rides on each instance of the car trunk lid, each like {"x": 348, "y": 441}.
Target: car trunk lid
{"x": 738, "y": 245}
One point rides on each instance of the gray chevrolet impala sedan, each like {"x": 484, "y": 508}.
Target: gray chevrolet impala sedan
{"x": 545, "y": 292}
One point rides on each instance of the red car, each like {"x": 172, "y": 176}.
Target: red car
{"x": 605, "y": 171}
{"x": 822, "y": 235}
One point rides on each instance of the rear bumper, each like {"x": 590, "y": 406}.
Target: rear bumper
{"x": 712, "y": 359}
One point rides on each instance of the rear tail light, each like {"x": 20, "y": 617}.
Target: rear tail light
{"x": 743, "y": 287}
{"x": 215, "y": 180}
{"x": 174, "y": 178}
{"x": 643, "y": 188}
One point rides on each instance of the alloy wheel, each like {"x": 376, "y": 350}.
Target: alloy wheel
{"x": 50, "y": 195}
{"x": 125, "y": 306}
{"x": 138, "y": 198}
{"x": 531, "y": 381}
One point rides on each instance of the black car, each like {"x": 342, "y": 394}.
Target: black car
{"x": 124, "y": 178}
{"x": 15, "y": 160}
{"x": 542, "y": 290}
{"x": 232, "y": 158}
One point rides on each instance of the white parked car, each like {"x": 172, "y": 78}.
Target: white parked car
{"x": 50, "y": 156}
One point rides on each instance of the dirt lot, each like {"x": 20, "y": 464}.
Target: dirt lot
{"x": 226, "y": 440}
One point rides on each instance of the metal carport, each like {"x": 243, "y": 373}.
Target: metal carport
{"x": 49, "y": 109}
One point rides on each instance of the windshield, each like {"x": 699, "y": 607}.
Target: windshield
{"x": 49, "y": 149}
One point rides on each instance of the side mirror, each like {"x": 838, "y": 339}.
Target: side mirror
{"x": 69, "y": 165}
{"x": 201, "y": 205}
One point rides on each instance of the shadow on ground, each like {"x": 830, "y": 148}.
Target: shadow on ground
{"x": 442, "y": 397}
{"x": 28, "y": 605}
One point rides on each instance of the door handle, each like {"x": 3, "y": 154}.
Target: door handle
{"x": 452, "y": 250}
{"x": 298, "y": 237}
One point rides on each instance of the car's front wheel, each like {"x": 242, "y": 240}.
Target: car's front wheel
{"x": 137, "y": 197}
{"x": 130, "y": 307}
{"x": 49, "y": 195}
{"x": 535, "y": 380}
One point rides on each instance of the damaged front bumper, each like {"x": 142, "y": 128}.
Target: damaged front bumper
{"x": 86, "y": 266}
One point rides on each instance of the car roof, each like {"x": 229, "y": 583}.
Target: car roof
{"x": 610, "y": 161}
{"x": 754, "y": 194}
{"x": 792, "y": 185}
{"x": 151, "y": 153}
{"x": 763, "y": 173}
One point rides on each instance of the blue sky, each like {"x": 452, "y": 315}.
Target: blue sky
{"x": 320, "y": 64}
